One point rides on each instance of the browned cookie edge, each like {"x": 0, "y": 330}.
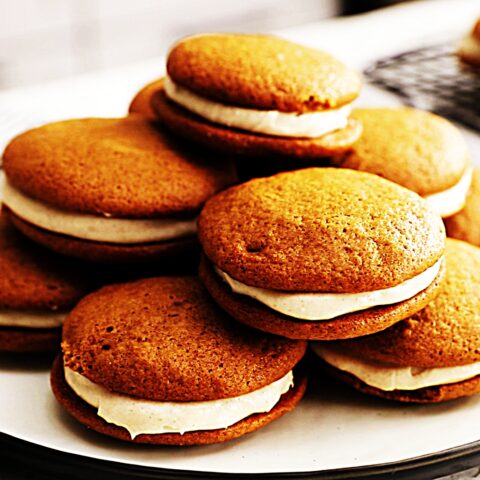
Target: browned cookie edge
{"x": 192, "y": 127}
{"x": 365, "y": 322}
{"x": 86, "y": 415}
{"x": 107, "y": 252}
{"x": 29, "y": 340}
{"x": 435, "y": 394}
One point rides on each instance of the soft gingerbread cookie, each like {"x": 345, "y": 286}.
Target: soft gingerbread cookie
{"x": 443, "y": 335}
{"x": 168, "y": 332}
{"x": 282, "y": 75}
{"x": 287, "y": 80}
{"x": 426, "y": 154}
{"x": 69, "y": 182}
{"x": 321, "y": 253}
{"x": 320, "y": 230}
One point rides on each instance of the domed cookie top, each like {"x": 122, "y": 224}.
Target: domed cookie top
{"x": 464, "y": 225}
{"x": 281, "y": 75}
{"x": 321, "y": 230}
{"x": 426, "y": 153}
{"x": 116, "y": 167}
{"x": 34, "y": 279}
{"x": 446, "y": 333}
{"x": 169, "y": 333}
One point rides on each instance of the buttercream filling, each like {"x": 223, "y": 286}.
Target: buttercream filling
{"x": 325, "y": 306}
{"x": 146, "y": 416}
{"x": 470, "y": 47}
{"x": 389, "y": 377}
{"x": 452, "y": 200}
{"x": 29, "y": 319}
{"x": 270, "y": 122}
{"x": 92, "y": 227}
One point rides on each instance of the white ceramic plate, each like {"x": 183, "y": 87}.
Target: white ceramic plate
{"x": 334, "y": 427}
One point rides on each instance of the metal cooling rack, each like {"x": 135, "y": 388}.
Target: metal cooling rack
{"x": 432, "y": 78}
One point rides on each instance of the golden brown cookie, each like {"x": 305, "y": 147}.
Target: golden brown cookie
{"x": 169, "y": 333}
{"x": 321, "y": 253}
{"x": 445, "y": 333}
{"x": 464, "y": 225}
{"x": 426, "y": 154}
{"x": 221, "y": 96}
{"x": 320, "y": 230}
{"x": 442, "y": 336}
{"x": 120, "y": 167}
{"x": 37, "y": 284}
{"x": 120, "y": 182}
{"x": 141, "y": 101}
{"x": 280, "y": 76}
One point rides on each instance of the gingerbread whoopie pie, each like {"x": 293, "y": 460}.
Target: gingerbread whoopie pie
{"x": 321, "y": 253}
{"x": 285, "y": 100}
{"x": 141, "y": 101}
{"x": 465, "y": 224}
{"x": 156, "y": 361}
{"x": 469, "y": 50}
{"x": 109, "y": 190}
{"x": 432, "y": 356}
{"x": 37, "y": 289}
{"x": 427, "y": 154}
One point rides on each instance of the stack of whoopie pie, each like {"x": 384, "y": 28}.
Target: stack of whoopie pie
{"x": 333, "y": 253}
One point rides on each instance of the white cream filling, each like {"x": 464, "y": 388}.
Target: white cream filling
{"x": 147, "y": 416}
{"x": 470, "y": 47}
{"x": 92, "y": 227}
{"x": 270, "y": 122}
{"x": 452, "y": 200}
{"x": 387, "y": 377}
{"x": 325, "y": 306}
{"x": 28, "y": 319}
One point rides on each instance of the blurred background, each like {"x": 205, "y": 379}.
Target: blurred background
{"x": 49, "y": 39}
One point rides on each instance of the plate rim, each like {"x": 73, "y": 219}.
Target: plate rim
{"x": 469, "y": 453}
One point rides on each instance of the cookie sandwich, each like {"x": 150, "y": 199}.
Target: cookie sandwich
{"x": 156, "y": 361}
{"x": 141, "y": 102}
{"x": 469, "y": 50}
{"x": 432, "y": 356}
{"x": 109, "y": 190}
{"x": 321, "y": 253}
{"x": 283, "y": 100}
{"x": 464, "y": 225}
{"x": 418, "y": 150}
{"x": 37, "y": 290}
